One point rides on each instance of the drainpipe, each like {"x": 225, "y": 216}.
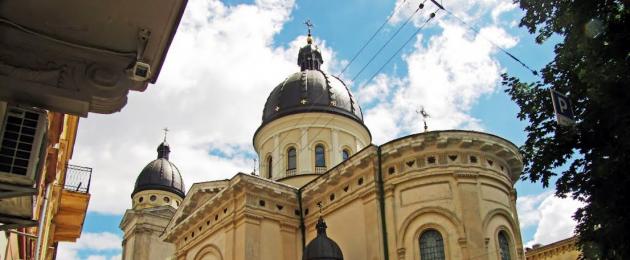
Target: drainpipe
{"x": 302, "y": 227}
{"x": 42, "y": 221}
{"x": 381, "y": 200}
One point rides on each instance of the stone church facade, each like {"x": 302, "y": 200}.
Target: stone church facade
{"x": 433, "y": 195}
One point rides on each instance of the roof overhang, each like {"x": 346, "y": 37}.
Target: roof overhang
{"x": 75, "y": 56}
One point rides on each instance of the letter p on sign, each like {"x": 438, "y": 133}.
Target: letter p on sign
{"x": 563, "y": 109}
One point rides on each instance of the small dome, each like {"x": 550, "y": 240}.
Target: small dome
{"x": 160, "y": 174}
{"x": 311, "y": 91}
{"x": 322, "y": 247}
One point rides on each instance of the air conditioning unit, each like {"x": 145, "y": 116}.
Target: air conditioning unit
{"x": 22, "y": 140}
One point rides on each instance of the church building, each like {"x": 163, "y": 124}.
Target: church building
{"x": 324, "y": 191}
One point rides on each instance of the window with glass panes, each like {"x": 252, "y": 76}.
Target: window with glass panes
{"x": 431, "y": 245}
{"x": 504, "y": 246}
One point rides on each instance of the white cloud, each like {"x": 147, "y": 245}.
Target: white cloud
{"x": 469, "y": 10}
{"x": 446, "y": 75}
{"x": 501, "y": 8}
{"x": 90, "y": 242}
{"x": 551, "y": 215}
{"x": 527, "y": 207}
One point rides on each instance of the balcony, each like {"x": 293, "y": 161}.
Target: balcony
{"x": 320, "y": 169}
{"x": 73, "y": 203}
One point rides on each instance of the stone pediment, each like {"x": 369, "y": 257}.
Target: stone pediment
{"x": 198, "y": 194}
{"x": 205, "y": 198}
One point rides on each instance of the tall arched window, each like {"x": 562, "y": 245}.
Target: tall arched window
{"x": 345, "y": 154}
{"x": 269, "y": 167}
{"x": 504, "y": 246}
{"x": 431, "y": 245}
{"x": 291, "y": 155}
{"x": 320, "y": 156}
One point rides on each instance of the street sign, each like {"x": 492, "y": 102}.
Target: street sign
{"x": 563, "y": 108}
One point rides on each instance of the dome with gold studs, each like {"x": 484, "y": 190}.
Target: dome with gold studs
{"x": 311, "y": 90}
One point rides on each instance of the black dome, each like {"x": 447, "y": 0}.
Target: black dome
{"x": 311, "y": 90}
{"x": 160, "y": 174}
{"x": 322, "y": 247}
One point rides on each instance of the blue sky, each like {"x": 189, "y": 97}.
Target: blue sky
{"x": 227, "y": 56}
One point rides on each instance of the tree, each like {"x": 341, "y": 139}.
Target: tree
{"x": 591, "y": 66}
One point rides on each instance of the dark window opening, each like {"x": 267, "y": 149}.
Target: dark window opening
{"x": 269, "y": 167}
{"x": 320, "y": 156}
{"x": 291, "y": 156}
{"x": 345, "y": 154}
{"x": 504, "y": 246}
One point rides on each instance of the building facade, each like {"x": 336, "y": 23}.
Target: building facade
{"x": 565, "y": 249}
{"x": 432, "y": 195}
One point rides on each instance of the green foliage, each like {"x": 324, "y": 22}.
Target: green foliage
{"x": 591, "y": 66}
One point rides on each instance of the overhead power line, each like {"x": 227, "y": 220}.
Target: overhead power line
{"x": 372, "y": 37}
{"x": 431, "y": 16}
{"x": 476, "y": 30}
{"x": 420, "y": 6}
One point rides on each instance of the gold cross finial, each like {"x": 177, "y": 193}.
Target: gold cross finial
{"x": 165, "y": 129}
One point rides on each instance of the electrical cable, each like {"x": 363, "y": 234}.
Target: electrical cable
{"x": 420, "y": 6}
{"x": 476, "y": 30}
{"x": 403, "y": 46}
{"x": 371, "y": 38}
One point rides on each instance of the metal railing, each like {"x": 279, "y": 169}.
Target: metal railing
{"x": 78, "y": 178}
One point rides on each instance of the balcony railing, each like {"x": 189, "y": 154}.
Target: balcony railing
{"x": 78, "y": 178}
{"x": 320, "y": 169}
{"x": 291, "y": 172}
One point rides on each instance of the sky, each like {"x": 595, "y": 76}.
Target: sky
{"x": 227, "y": 56}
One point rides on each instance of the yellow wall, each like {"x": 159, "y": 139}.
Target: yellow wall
{"x": 468, "y": 202}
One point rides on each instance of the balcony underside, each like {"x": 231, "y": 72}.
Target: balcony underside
{"x": 72, "y": 56}
{"x": 70, "y": 215}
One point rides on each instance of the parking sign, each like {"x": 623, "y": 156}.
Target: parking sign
{"x": 563, "y": 108}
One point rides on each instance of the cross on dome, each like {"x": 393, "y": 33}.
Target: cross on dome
{"x": 165, "y": 129}
{"x": 309, "y": 25}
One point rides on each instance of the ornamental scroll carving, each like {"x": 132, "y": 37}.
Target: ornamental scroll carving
{"x": 51, "y": 77}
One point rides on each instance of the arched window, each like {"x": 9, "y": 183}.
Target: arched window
{"x": 291, "y": 154}
{"x": 269, "y": 167}
{"x": 431, "y": 245}
{"x": 504, "y": 246}
{"x": 345, "y": 154}
{"x": 320, "y": 157}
